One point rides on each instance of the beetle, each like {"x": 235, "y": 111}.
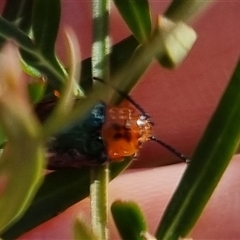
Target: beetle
{"x": 107, "y": 133}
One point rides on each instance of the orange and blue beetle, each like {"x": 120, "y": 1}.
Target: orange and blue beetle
{"x": 105, "y": 134}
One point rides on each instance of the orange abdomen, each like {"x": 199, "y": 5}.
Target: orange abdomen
{"x": 121, "y": 132}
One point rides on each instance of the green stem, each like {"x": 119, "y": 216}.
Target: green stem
{"x": 100, "y": 46}
{"x": 100, "y": 68}
{"x": 99, "y": 201}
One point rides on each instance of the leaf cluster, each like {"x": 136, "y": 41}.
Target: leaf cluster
{"x": 33, "y": 25}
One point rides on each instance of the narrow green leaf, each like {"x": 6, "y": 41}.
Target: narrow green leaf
{"x": 19, "y": 12}
{"x": 9, "y": 31}
{"x": 60, "y": 190}
{"x": 129, "y": 220}
{"x": 22, "y": 178}
{"x": 185, "y": 10}
{"x": 36, "y": 90}
{"x": 45, "y": 25}
{"x": 177, "y": 39}
{"x": 136, "y": 14}
{"x": 31, "y": 54}
{"x": 23, "y": 157}
{"x": 82, "y": 231}
{"x": 46, "y": 18}
{"x": 209, "y": 161}
{"x": 2, "y": 139}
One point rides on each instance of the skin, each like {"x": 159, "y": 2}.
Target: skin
{"x": 152, "y": 188}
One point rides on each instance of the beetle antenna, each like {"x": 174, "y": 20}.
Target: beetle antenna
{"x": 126, "y": 96}
{"x": 171, "y": 149}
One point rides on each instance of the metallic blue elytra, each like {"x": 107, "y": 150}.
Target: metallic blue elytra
{"x": 79, "y": 144}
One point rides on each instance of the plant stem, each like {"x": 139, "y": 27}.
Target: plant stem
{"x": 100, "y": 69}
{"x": 100, "y": 47}
{"x": 99, "y": 201}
